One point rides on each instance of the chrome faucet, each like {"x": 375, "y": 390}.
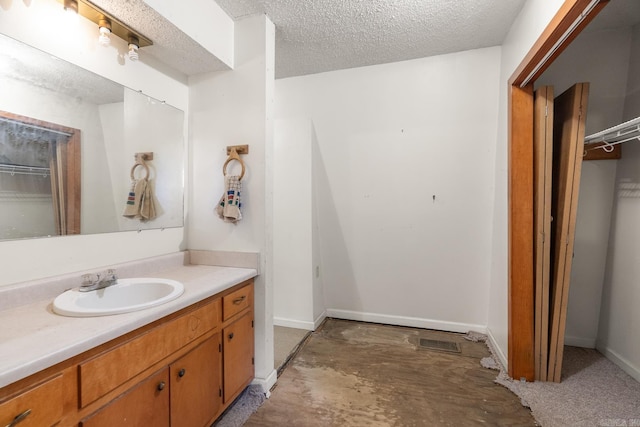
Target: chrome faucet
{"x": 91, "y": 282}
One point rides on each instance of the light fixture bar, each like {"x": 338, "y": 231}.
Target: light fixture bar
{"x": 95, "y": 14}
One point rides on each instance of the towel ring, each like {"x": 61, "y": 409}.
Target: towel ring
{"x": 233, "y": 156}
{"x": 146, "y": 169}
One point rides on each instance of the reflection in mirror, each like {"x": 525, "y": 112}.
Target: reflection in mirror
{"x": 68, "y": 141}
{"x": 40, "y": 168}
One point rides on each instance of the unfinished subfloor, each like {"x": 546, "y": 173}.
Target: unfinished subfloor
{"x": 361, "y": 374}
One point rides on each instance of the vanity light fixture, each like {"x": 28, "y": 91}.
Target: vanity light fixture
{"x": 134, "y": 44}
{"x": 108, "y": 25}
{"x": 104, "y": 27}
{"x": 71, "y": 6}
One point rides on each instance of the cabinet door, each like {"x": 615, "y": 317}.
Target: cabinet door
{"x": 237, "y": 355}
{"x": 196, "y": 385}
{"x": 146, "y": 404}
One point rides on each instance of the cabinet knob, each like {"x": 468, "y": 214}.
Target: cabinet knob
{"x": 231, "y": 336}
{"x": 237, "y": 301}
{"x": 19, "y": 417}
{"x": 181, "y": 372}
{"x": 161, "y": 386}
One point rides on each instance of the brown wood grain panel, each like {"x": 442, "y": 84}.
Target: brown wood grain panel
{"x": 44, "y": 401}
{"x": 147, "y": 404}
{"x": 238, "y": 350}
{"x": 542, "y": 166}
{"x": 591, "y": 152}
{"x": 73, "y": 184}
{"x": 521, "y": 293}
{"x": 569, "y": 121}
{"x": 195, "y": 385}
{"x": 237, "y": 301}
{"x": 108, "y": 370}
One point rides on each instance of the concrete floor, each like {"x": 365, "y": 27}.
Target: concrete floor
{"x": 360, "y": 374}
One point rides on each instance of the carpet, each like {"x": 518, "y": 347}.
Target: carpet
{"x": 246, "y": 404}
{"x": 593, "y": 392}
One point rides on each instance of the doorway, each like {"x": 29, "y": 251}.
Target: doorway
{"x": 571, "y": 19}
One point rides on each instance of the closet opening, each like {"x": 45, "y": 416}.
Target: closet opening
{"x": 567, "y": 24}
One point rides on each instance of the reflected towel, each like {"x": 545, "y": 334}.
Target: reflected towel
{"x": 140, "y": 204}
{"x": 228, "y": 208}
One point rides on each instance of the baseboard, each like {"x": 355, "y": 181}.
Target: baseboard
{"x": 580, "y": 342}
{"x": 291, "y": 323}
{"x": 620, "y": 361}
{"x": 319, "y": 320}
{"x": 267, "y": 383}
{"x": 300, "y": 324}
{"x": 497, "y": 351}
{"x": 415, "y": 322}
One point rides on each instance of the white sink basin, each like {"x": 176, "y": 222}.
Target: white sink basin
{"x": 125, "y": 296}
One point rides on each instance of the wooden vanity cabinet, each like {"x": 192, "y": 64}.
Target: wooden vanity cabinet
{"x": 238, "y": 356}
{"x": 146, "y": 404}
{"x": 196, "y": 386}
{"x": 185, "y": 394}
{"x": 237, "y": 342}
{"x": 39, "y": 406}
{"x": 180, "y": 371}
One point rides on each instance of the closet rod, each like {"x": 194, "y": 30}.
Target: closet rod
{"x": 34, "y": 126}
{"x": 627, "y": 131}
{"x": 24, "y": 170}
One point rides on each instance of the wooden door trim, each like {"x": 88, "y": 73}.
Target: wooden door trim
{"x": 520, "y": 181}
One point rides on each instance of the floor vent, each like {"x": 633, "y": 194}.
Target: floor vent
{"x": 448, "y": 346}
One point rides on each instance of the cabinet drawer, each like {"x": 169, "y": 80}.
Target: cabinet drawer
{"x": 237, "y": 301}
{"x": 45, "y": 403}
{"x": 105, "y": 372}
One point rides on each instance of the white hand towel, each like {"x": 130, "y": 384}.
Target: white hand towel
{"x": 228, "y": 208}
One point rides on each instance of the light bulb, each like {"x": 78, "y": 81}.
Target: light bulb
{"x": 133, "y": 52}
{"x": 104, "y": 39}
{"x": 71, "y": 12}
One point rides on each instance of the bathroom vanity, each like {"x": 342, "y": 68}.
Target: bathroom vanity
{"x": 181, "y": 369}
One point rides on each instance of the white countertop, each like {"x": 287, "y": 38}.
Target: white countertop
{"x": 33, "y": 337}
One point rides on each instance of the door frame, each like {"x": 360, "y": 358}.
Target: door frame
{"x": 572, "y": 17}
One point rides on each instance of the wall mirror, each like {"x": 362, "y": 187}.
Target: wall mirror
{"x": 68, "y": 144}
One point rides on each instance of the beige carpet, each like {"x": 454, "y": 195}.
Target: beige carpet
{"x": 593, "y": 392}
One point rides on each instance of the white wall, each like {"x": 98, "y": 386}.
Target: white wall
{"x": 607, "y": 79}
{"x": 619, "y": 320}
{"x": 293, "y": 260}
{"x": 390, "y": 138}
{"x": 231, "y": 108}
{"x": 202, "y": 20}
{"x": 31, "y": 259}
{"x": 533, "y": 18}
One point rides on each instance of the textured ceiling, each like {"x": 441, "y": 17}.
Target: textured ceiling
{"x": 170, "y": 45}
{"x": 313, "y": 36}
{"x": 323, "y": 35}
